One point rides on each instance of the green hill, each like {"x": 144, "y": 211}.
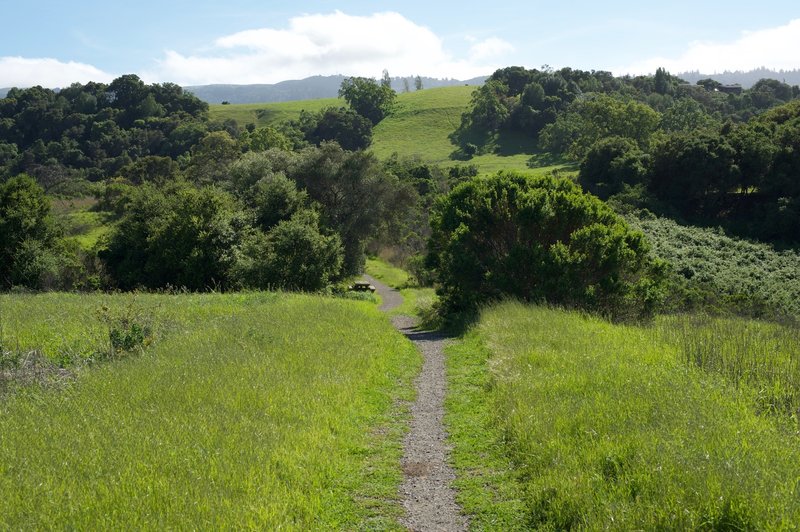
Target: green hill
{"x": 420, "y": 126}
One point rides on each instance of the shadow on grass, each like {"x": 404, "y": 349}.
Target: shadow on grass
{"x": 503, "y": 144}
{"x": 544, "y": 159}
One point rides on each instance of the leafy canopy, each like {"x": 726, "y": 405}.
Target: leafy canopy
{"x": 539, "y": 239}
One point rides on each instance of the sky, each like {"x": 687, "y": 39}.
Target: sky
{"x": 197, "y": 42}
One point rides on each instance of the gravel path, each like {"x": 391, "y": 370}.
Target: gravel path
{"x": 427, "y": 496}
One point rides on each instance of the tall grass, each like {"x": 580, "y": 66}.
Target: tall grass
{"x": 762, "y": 356}
{"x": 248, "y": 411}
{"x": 562, "y": 421}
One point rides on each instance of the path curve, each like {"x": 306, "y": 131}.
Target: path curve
{"x": 428, "y": 498}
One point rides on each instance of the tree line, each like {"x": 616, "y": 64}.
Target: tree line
{"x": 690, "y": 151}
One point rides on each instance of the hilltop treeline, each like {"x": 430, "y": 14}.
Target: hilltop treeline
{"x": 94, "y": 130}
{"x": 705, "y": 153}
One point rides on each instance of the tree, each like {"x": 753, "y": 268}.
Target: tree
{"x": 178, "y": 236}
{"x": 661, "y": 81}
{"x": 211, "y": 157}
{"x": 368, "y": 98}
{"x": 694, "y": 172}
{"x": 590, "y": 120}
{"x": 27, "y": 233}
{"x": 357, "y": 197}
{"x": 264, "y": 138}
{"x": 418, "y": 83}
{"x": 610, "y": 164}
{"x": 297, "y": 255}
{"x": 344, "y": 126}
{"x": 539, "y": 239}
{"x": 386, "y": 79}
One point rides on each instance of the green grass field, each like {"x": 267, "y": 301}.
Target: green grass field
{"x": 253, "y": 410}
{"x": 561, "y": 421}
{"x": 267, "y": 114}
{"x": 78, "y": 222}
{"x": 420, "y": 126}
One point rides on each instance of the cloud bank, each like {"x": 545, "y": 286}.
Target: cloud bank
{"x": 775, "y": 48}
{"x": 24, "y": 72}
{"x": 328, "y": 44}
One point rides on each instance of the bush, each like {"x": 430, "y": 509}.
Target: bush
{"x": 27, "y": 233}
{"x": 539, "y": 238}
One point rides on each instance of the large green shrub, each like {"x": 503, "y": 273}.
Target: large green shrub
{"x": 539, "y": 239}
{"x": 27, "y": 233}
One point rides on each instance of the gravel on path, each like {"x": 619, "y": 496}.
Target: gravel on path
{"x": 426, "y": 490}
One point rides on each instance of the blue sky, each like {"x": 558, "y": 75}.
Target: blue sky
{"x": 53, "y": 43}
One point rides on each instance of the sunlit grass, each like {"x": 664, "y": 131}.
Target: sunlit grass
{"x": 564, "y": 421}
{"x": 269, "y": 114}
{"x": 254, "y": 410}
{"x": 388, "y": 274}
{"x": 762, "y": 356}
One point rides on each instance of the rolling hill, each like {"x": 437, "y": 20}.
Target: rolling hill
{"x": 420, "y": 126}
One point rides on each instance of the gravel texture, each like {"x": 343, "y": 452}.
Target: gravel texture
{"x": 427, "y": 496}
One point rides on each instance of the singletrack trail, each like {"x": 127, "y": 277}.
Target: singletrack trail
{"x": 428, "y": 498}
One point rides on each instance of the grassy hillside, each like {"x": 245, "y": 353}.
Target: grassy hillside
{"x": 258, "y": 410}
{"x": 420, "y": 126}
{"x": 421, "y": 123}
{"x": 79, "y": 222}
{"x": 265, "y": 114}
{"x": 562, "y": 421}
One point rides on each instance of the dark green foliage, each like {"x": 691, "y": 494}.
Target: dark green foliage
{"x": 93, "y": 130}
{"x": 344, "y": 126}
{"x": 27, "y": 233}
{"x": 611, "y": 164}
{"x": 368, "y": 98}
{"x": 694, "y": 173}
{"x": 357, "y": 198}
{"x": 539, "y": 239}
{"x": 180, "y": 236}
{"x": 293, "y": 255}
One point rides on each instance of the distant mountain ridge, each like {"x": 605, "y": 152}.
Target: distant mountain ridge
{"x": 745, "y": 79}
{"x": 317, "y": 87}
{"x": 312, "y": 88}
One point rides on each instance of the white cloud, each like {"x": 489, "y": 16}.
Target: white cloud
{"x": 327, "y": 44}
{"x": 774, "y": 48}
{"x": 492, "y": 47}
{"x": 47, "y": 72}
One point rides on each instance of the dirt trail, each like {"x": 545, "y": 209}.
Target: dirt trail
{"x": 427, "y": 496}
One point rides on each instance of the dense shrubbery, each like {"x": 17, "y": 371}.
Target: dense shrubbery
{"x": 716, "y": 273}
{"x": 94, "y": 130}
{"x": 741, "y": 176}
{"x": 539, "y": 239}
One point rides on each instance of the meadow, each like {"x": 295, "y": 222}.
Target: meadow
{"x": 250, "y": 410}
{"x": 268, "y": 114}
{"x": 564, "y": 421}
